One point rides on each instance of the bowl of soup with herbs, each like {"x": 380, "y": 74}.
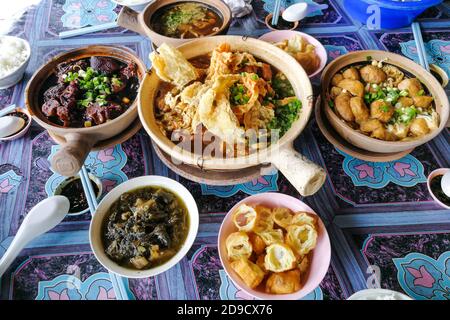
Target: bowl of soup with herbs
{"x": 144, "y": 226}
{"x": 175, "y": 22}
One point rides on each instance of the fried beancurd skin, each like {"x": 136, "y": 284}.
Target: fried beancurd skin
{"x": 249, "y": 272}
{"x": 257, "y": 242}
{"x": 279, "y": 257}
{"x": 302, "y": 238}
{"x": 338, "y": 77}
{"x": 238, "y": 246}
{"x": 284, "y": 282}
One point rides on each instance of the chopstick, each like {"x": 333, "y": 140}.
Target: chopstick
{"x": 276, "y": 12}
{"x": 118, "y": 282}
{"x": 421, "y": 50}
{"x": 86, "y": 30}
{"x": 7, "y": 110}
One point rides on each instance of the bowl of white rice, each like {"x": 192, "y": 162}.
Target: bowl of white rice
{"x": 14, "y": 57}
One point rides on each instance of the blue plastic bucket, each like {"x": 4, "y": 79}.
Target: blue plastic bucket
{"x": 393, "y": 14}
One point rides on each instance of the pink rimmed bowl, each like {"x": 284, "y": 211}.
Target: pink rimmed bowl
{"x": 319, "y": 258}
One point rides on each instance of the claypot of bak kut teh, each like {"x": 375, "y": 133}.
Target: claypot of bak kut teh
{"x": 306, "y": 176}
{"x": 79, "y": 141}
{"x": 140, "y": 22}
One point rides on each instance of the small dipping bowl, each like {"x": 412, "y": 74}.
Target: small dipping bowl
{"x": 16, "y": 75}
{"x": 268, "y": 21}
{"x": 280, "y": 35}
{"x": 431, "y": 176}
{"x": 59, "y": 191}
{"x": 17, "y": 112}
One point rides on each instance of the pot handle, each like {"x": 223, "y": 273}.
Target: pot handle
{"x": 128, "y": 19}
{"x": 70, "y": 158}
{"x": 444, "y": 82}
{"x": 306, "y": 176}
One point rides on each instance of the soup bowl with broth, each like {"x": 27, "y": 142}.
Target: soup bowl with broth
{"x": 175, "y": 22}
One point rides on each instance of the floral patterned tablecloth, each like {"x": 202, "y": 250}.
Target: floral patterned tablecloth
{"x": 380, "y": 217}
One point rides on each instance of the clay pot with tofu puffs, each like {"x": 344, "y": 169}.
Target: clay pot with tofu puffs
{"x": 383, "y": 102}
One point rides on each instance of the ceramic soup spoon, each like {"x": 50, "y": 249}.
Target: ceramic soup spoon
{"x": 46, "y": 215}
{"x": 298, "y": 11}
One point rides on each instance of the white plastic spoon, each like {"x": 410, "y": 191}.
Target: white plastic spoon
{"x": 44, "y": 216}
{"x": 10, "y": 125}
{"x": 445, "y": 183}
{"x": 298, "y": 11}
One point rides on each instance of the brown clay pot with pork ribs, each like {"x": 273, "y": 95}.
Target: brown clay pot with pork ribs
{"x": 89, "y": 92}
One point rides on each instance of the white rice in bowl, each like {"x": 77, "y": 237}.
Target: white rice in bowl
{"x": 13, "y": 53}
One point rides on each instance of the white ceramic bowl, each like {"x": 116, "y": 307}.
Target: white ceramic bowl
{"x": 95, "y": 230}
{"x": 378, "y": 294}
{"x": 136, "y": 5}
{"x": 15, "y": 76}
{"x": 280, "y": 35}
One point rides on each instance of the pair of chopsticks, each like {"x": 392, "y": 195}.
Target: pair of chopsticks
{"x": 118, "y": 282}
{"x": 276, "y": 12}
{"x": 421, "y": 51}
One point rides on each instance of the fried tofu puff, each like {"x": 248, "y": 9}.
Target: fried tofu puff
{"x": 249, "y": 272}
{"x": 419, "y": 127}
{"x": 422, "y": 101}
{"x": 351, "y": 73}
{"x": 405, "y": 101}
{"x": 335, "y": 91}
{"x": 238, "y": 246}
{"x": 355, "y": 87}
{"x": 279, "y": 257}
{"x": 336, "y": 79}
{"x": 359, "y": 109}
{"x": 342, "y": 105}
{"x": 372, "y": 74}
{"x": 370, "y": 125}
{"x": 412, "y": 85}
{"x": 381, "y": 110}
{"x": 257, "y": 242}
{"x": 302, "y": 238}
{"x": 284, "y": 282}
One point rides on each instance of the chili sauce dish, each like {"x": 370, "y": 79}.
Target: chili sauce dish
{"x": 144, "y": 226}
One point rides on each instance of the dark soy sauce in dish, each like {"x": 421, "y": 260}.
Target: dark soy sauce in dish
{"x": 75, "y": 193}
{"x": 145, "y": 228}
{"x": 436, "y": 188}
